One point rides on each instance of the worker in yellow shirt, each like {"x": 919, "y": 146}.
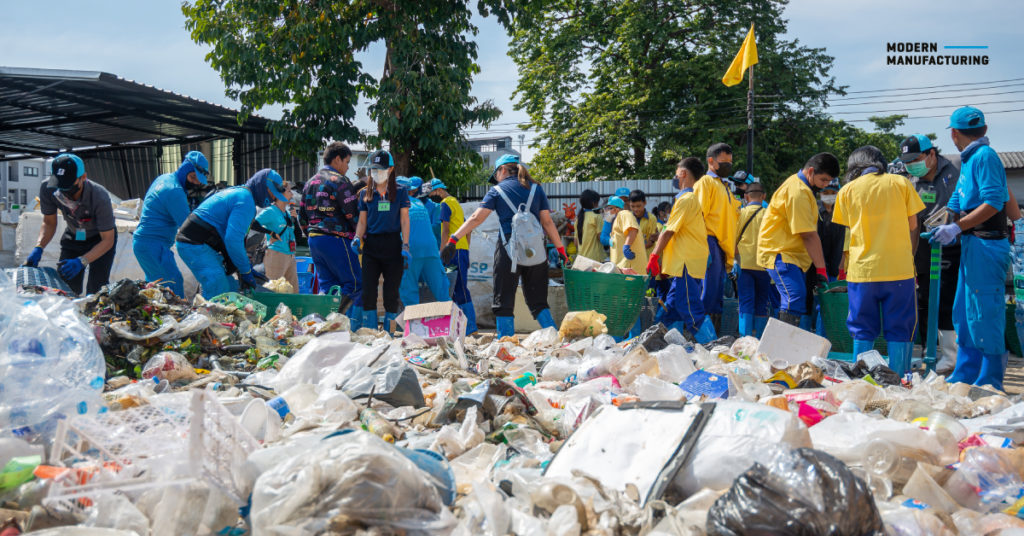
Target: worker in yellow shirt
{"x": 588, "y": 227}
{"x": 720, "y": 212}
{"x": 648, "y": 223}
{"x": 452, "y": 217}
{"x": 788, "y": 242}
{"x": 625, "y": 243}
{"x": 684, "y": 242}
{"x": 880, "y": 209}
{"x": 753, "y": 285}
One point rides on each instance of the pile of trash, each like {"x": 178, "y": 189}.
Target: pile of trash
{"x": 438, "y": 433}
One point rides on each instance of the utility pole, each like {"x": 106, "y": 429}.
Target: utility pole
{"x": 522, "y": 137}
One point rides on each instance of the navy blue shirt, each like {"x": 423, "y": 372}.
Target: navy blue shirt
{"x": 518, "y": 195}
{"x": 383, "y": 216}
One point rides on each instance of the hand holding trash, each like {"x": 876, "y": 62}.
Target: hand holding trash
{"x": 821, "y": 277}
{"x": 34, "y": 257}
{"x": 356, "y": 246}
{"x": 253, "y": 278}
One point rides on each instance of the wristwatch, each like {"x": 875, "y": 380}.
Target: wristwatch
{"x": 85, "y": 262}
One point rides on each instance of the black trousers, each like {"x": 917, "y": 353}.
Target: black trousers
{"x": 535, "y": 285}
{"x": 99, "y": 270}
{"x": 382, "y": 256}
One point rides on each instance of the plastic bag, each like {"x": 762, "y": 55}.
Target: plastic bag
{"x": 582, "y": 324}
{"x": 170, "y": 366}
{"x": 801, "y": 492}
{"x": 541, "y": 339}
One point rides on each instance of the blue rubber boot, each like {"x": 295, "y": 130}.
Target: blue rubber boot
{"x": 545, "y": 320}
{"x": 899, "y": 357}
{"x": 636, "y": 330}
{"x": 706, "y": 333}
{"x": 993, "y": 366}
{"x": 806, "y": 323}
{"x": 759, "y": 323}
{"x": 370, "y": 319}
{"x": 470, "y": 313}
{"x": 859, "y": 347}
{"x": 355, "y": 318}
{"x": 968, "y": 366}
{"x": 506, "y": 326}
{"x": 746, "y": 324}
{"x": 388, "y": 318}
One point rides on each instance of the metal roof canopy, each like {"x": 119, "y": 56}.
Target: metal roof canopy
{"x": 44, "y": 112}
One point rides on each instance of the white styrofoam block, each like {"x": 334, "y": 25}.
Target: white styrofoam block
{"x": 791, "y": 344}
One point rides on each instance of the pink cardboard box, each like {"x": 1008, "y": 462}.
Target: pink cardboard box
{"x": 434, "y": 321}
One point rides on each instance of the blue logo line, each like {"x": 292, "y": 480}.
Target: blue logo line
{"x": 965, "y": 46}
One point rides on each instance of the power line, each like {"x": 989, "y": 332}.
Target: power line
{"x": 924, "y": 108}
{"x": 987, "y": 112}
{"x": 933, "y": 87}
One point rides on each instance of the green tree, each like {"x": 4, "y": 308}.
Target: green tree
{"x": 302, "y": 54}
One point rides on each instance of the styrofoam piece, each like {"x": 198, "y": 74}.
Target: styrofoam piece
{"x": 783, "y": 342}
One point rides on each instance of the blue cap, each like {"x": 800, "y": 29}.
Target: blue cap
{"x": 65, "y": 170}
{"x": 617, "y": 202}
{"x": 506, "y": 159}
{"x": 415, "y": 182}
{"x": 404, "y": 182}
{"x": 437, "y": 183}
{"x": 966, "y": 117}
{"x": 275, "y": 185}
{"x": 200, "y": 165}
{"x": 622, "y": 191}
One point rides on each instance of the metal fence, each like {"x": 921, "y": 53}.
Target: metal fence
{"x": 661, "y": 190}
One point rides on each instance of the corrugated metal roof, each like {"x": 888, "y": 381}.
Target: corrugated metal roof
{"x": 1012, "y": 159}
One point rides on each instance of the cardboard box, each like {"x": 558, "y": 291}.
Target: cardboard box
{"x": 434, "y": 321}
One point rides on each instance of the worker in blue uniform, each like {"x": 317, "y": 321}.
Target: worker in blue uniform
{"x": 979, "y": 203}
{"x": 164, "y": 209}
{"x": 425, "y": 264}
{"x": 212, "y": 239}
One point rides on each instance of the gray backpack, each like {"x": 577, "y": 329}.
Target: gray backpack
{"x": 526, "y": 245}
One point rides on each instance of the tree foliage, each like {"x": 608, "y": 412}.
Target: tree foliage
{"x": 303, "y": 54}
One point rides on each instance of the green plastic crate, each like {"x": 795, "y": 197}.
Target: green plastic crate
{"x": 617, "y": 296}
{"x": 302, "y": 304}
{"x": 240, "y": 301}
{"x": 835, "y": 307}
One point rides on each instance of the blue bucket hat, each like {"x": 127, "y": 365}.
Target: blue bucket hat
{"x": 404, "y": 182}
{"x": 617, "y": 202}
{"x": 437, "y": 183}
{"x": 966, "y": 117}
{"x": 199, "y": 164}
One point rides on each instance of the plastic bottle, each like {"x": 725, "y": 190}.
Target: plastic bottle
{"x": 885, "y": 459}
{"x": 377, "y": 425}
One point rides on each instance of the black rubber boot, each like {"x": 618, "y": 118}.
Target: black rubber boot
{"x": 716, "y": 320}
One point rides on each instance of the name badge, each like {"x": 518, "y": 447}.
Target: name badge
{"x": 80, "y": 235}
{"x": 383, "y": 206}
{"x": 928, "y": 196}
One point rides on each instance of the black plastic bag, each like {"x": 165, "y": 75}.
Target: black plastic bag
{"x": 884, "y": 375}
{"x": 396, "y": 384}
{"x": 652, "y": 339}
{"x": 804, "y": 492}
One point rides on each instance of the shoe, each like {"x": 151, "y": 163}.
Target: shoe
{"x": 388, "y": 319}
{"x": 506, "y": 326}
{"x": 759, "y": 323}
{"x": 859, "y": 347}
{"x": 470, "y": 312}
{"x": 789, "y": 318}
{"x": 899, "y": 357}
{"x": 355, "y": 318}
{"x": 545, "y": 320}
{"x": 370, "y": 319}
{"x": 968, "y": 366}
{"x": 993, "y": 367}
{"x": 746, "y": 324}
{"x": 707, "y": 332}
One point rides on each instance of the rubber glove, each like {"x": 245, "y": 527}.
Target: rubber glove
{"x": 34, "y": 257}
{"x": 946, "y": 234}
{"x": 448, "y": 252}
{"x": 356, "y": 245}
{"x": 69, "y": 268}
{"x": 842, "y": 275}
{"x": 654, "y": 265}
{"x": 563, "y": 256}
{"x": 734, "y": 274}
{"x": 821, "y": 277}
{"x": 253, "y": 278}
{"x": 628, "y": 252}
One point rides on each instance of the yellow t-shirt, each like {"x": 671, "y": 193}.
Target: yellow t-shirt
{"x": 590, "y": 237}
{"x": 791, "y": 211}
{"x": 747, "y": 242}
{"x": 876, "y": 208}
{"x": 623, "y": 223}
{"x": 688, "y": 247}
{"x": 456, "y": 220}
{"x": 720, "y": 214}
{"x": 648, "y": 226}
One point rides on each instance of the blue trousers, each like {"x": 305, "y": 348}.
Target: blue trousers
{"x": 157, "y": 262}
{"x": 460, "y": 294}
{"x": 714, "y": 279}
{"x": 979, "y": 308}
{"x": 791, "y": 283}
{"x": 888, "y": 307}
{"x": 337, "y": 265}
{"x": 428, "y": 270}
{"x": 208, "y": 267}
{"x": 684, "y": 303}
{"x": 754, "y": 287}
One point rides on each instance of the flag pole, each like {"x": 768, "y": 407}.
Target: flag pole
{"x": 750, "y": 123}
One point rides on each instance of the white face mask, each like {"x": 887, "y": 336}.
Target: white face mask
{"x": 380, "y": 176}
{"x": 828, "y": 199}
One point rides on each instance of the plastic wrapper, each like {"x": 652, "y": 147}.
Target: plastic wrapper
{"x": 455, "y": 439}
{"x": 346, "y": 482}
{"x": 541, "y": 339}
{"x": 845, "y": 436}
{"x": 801, "y": 492}
{"x": 280, "y": 285}
{"x": 582, "y": 324}
{"x": 170, "y": 366}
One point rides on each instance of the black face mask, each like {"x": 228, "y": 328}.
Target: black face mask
{"x": 435, "y": 198}
{"x": 69, "y": 192}
{"x": 724, "y": 170}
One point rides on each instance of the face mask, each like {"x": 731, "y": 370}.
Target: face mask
{"x": 435, "y": 198}
{"x": 724, "y": 170}
{"x": 675, "y": 182}
{"x": 828, "y": 199}
{"x": 380, "y": 176}
{"x": 68, "y": 192}
{"x": 917, "y": 169}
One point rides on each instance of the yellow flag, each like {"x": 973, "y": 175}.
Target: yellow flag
{"x": 746, "y": 57}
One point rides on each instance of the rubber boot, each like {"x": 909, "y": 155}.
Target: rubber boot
{"x": 370, "y": 319}
{"x": 968, "y": 366}
{"x": 789, "y": 318}
{"x": 506, "y": 326}
{"x": 806, "y": 323}
{"x": 355, "y": 318}
{"x": 899, "y": 357}
{"x": 388, "y": 319}
{"x": 470, "y": 312}
{"x": 759, "y": 323}
{"x": 707, "y": 332}
{"x": 545, "y": 320}
{"x": 746, "y": 324}
{"x": 859, "y": 347}
{"x": 946, "y": 348}
{"x": 993, "y": 366}
{"x": 636, "y": 330}
{"x": 716, "y": 322}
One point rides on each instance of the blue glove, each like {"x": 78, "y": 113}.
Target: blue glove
{"x": 253, "y": 278}
{"x": 946, "y": 234}
{"x": 606, "y": 234}
{"x": 356, "y": 245}
{"x": 736, "y": 268}
{"x": 628, "y": 252}
{"x": 406, "y": 256}
{"x": 34, "y": 257}
{"x": 69, "y": 268}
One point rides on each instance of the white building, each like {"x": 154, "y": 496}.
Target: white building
{"x": 491, "y": 149}
{"x": 20, "y": 181}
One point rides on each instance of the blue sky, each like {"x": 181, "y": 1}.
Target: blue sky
{"x": 146, "y": 41}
